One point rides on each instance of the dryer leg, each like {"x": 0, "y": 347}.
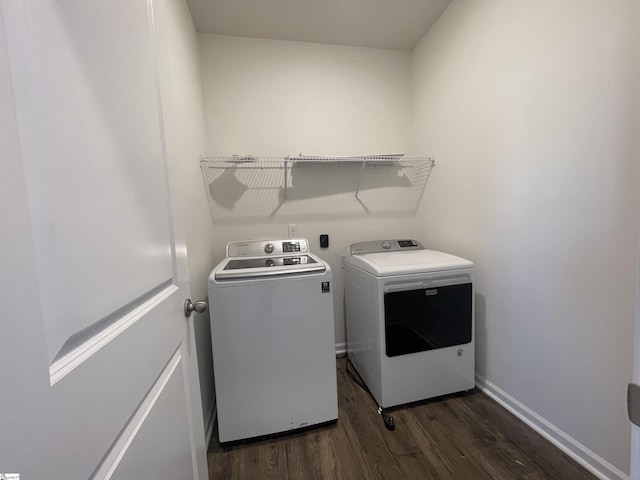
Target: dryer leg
{"x": 387, "y": 419}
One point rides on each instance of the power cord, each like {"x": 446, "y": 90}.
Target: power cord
{"x": 352, "y": 372}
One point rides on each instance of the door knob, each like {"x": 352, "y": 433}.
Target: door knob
{"x": 189, "y": 306}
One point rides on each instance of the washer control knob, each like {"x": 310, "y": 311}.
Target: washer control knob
{"x": 268, "y": 248}
{"x": 386, "y": 244}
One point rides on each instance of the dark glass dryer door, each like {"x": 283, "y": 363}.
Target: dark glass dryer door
{"x": 427, "y": 319}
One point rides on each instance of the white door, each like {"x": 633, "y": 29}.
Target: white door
{"x": 98, "y": 377}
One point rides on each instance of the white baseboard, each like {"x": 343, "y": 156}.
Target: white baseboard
{"x": 581, "y": 454}
{"x": 209, "y": 421}
{"x": 341, "y": 349}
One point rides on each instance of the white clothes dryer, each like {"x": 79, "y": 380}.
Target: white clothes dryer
{"x": 410, "y": 320}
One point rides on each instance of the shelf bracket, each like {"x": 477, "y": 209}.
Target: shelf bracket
{"x": 364, "y": 164}
{"x": 286, "y": 166}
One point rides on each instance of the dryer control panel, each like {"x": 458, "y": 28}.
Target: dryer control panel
{"x": 377, "y": 246}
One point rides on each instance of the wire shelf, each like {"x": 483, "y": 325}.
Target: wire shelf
{"x": 247, "y": 186}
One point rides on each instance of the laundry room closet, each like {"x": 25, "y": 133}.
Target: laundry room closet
{"x": 531, "y": 111}
{"x": 527, "y": 109}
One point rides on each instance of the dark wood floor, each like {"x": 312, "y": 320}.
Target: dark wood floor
{"x": 464, "y": 436}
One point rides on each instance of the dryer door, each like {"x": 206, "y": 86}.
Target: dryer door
{"x": 422, "y": 318}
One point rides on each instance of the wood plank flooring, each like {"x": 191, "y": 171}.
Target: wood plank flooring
{"x": 463, "y": 436}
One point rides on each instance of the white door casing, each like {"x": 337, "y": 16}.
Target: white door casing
{"x": 634, "y": 468}
{"x": 98, "y": 373}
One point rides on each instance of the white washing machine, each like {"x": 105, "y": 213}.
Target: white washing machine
{"x": 272, "y": 332}
{"x": 410, "y": 320}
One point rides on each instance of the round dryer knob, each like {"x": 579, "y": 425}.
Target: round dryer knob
{"x": 386, "y": 244}
{"x": 268, "y": 248}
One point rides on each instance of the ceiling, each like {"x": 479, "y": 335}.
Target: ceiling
{"x": 394, "y": 24}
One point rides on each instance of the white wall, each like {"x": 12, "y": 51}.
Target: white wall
{"x": 273, "y": 97}
{"x": 278, "y": 98}
{"x": 533, "y": 111}
{"x": 184, "y": 136}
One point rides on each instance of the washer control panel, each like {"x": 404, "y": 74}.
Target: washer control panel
{"x": 267, "y": 248}
{"x": 377, "y": 246}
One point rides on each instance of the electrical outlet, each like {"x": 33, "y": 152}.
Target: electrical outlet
{"x": 293, "y": 230}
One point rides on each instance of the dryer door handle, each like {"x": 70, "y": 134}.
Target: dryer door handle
{"x": 404, "y": 287}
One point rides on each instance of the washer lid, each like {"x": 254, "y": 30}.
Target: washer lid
{"x": 414, "y": 261}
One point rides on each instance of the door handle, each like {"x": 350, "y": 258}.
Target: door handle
{"x": 200, "y": 306}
